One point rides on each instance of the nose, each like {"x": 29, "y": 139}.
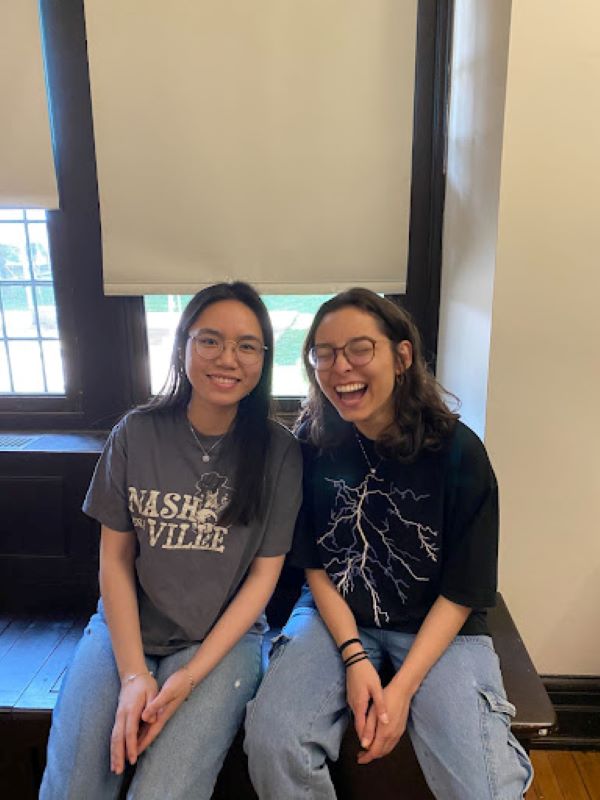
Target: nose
{"x": 228, "y": 355}
{"x": 341, "y": 363}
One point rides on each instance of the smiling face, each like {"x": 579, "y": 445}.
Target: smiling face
{"x": 361, "y": 394}
{"x": 219, "y": 384}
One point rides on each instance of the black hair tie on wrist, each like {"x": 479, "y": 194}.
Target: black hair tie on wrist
{"x": 355, "y": 659}
{"x": 347, "y": 643}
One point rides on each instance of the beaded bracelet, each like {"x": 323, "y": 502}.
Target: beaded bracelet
{"x": 134, "y": 675}
{"x": 186, "y": 669}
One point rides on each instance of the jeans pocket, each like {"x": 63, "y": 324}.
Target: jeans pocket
{"x": 507, "y": 762}
{"x": 498, "y": 704}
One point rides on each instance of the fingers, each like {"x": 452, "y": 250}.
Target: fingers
{"x": 380, "y": 747}
{"x": 150, "y": 716}
{"x": 383, "y": 743}
{"x": 360, "y": 711}
{"x": 368, "y": 732}
{"x": 156, "y": 705}
{"x": 132, "y": 724}
{"x": 117, "y": 745}
{"x": 148, "y": 733}
{"x": 379, "y": 703}
{"x": 377, "y": 714}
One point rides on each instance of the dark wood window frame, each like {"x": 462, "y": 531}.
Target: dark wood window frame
{"x": 104, "y": 345}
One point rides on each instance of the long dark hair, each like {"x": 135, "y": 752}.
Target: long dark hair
{"x": 422, "y": 420}
{"x": 250, "y": 433}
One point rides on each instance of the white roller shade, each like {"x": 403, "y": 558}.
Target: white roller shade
{"x": 268, "y": 141}
{"x": 27, "y": 176}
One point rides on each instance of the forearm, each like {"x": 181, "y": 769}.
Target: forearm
{"x": 439, "y": 628}
{"x": 334, "y": 610}
{"x": 238, "y": 618}
{"x": 117, "y": 586}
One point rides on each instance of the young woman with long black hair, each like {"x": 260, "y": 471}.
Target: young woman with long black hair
{"x": 398, "y": 535}
{"x": 197, "y": 494}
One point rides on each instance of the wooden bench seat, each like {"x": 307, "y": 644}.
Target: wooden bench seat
{"x": 35, "y": 651}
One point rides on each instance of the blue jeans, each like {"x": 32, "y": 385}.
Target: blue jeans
{"x": 183, "y": 762}
{"x": 459, "y": 721}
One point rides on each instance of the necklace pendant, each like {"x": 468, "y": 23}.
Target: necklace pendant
{"x": 206, "y": 458}
{"x": 372, "y": 470}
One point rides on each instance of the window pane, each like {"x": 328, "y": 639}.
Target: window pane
{"x": 36, "y": 213}
{"x": 55, "y": 380}
{"x": 4, "y": 374}
{"x": 11, "y": 213}
{"x": 19, "y": 311}
{"x": 46, "y": 307}
{"x": 26, "y": 364}
{"x": 14, "y": 264}
{"x": 38, "y": 248}
{"x": 162, "y": 315}
{"x": 28, "y": 306}
{"x": 291, "y": 316}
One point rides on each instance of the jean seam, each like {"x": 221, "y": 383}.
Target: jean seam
{"x": 316, "y": 715}
{"x": 485, "y": 739}
{"x": 487, "y": 711}
{"x": 461, "y": 643}
{"x": 267, "y": 677}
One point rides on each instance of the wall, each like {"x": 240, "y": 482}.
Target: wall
{"x": 543, "y": 425}
{"x": 478, "y": 81}
{"x": 543, "y": 420}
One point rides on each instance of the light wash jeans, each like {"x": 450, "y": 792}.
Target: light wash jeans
{"x": 184, "y": 761}
{"x": 458, "y": 723}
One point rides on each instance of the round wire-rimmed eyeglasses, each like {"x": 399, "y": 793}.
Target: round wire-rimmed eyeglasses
{"x": 247, "y": 351}
{"x": 358, "y": 352}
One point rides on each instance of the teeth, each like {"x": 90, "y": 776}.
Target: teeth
{"x": 223, "y": 381}
{"x": 350, "y": 387}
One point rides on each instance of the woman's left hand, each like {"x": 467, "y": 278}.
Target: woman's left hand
{"x": 397, "y": 704}
{"x": 159, "y": 711}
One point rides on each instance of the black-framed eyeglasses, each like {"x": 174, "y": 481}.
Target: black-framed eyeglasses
{"x": 358, "y": 352}
{"x": 209, "y": 346}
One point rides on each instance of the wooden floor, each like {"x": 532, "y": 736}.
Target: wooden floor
{"x": 565, "y": 775}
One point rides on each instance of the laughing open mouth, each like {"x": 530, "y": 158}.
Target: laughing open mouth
{"x": 351, "y": 391}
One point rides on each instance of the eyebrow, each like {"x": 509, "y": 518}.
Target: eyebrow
{"x": 351, "y": 339}
{"x": 215, "y": 332}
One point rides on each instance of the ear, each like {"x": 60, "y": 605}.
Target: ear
{"x": 404, "y": 356}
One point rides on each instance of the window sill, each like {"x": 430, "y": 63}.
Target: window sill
{"x": 19, "y": 441}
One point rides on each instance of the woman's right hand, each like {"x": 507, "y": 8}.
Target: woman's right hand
{"x": 134, "y": 697}
{"x": 363, "y": 688}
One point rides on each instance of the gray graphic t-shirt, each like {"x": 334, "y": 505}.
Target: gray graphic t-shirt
{"x": 151, "y": 479}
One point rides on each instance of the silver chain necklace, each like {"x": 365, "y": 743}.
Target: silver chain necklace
{"x": 372, "y": 469}
{"x": 205, "y": 453}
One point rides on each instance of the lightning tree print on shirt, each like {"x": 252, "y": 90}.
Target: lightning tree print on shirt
{"x": 364, "y": 534}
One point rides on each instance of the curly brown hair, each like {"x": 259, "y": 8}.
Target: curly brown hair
{"x": 422, "y": 419}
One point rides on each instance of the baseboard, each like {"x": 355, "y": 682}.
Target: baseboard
{"x": 576, "y": 700}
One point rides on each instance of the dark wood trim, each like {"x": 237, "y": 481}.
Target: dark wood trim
{"x": 576, "y": 700}
{"x": 434, "y": 40}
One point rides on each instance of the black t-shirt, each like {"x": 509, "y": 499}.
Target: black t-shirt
{"x": 393, "y": 541}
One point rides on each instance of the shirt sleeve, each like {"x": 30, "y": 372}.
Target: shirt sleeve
{"x": 107, "y": 499}
{"x": 305, "y": 553}
{"x": 287, "y": 493}
{"x": 469, "y": 571}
